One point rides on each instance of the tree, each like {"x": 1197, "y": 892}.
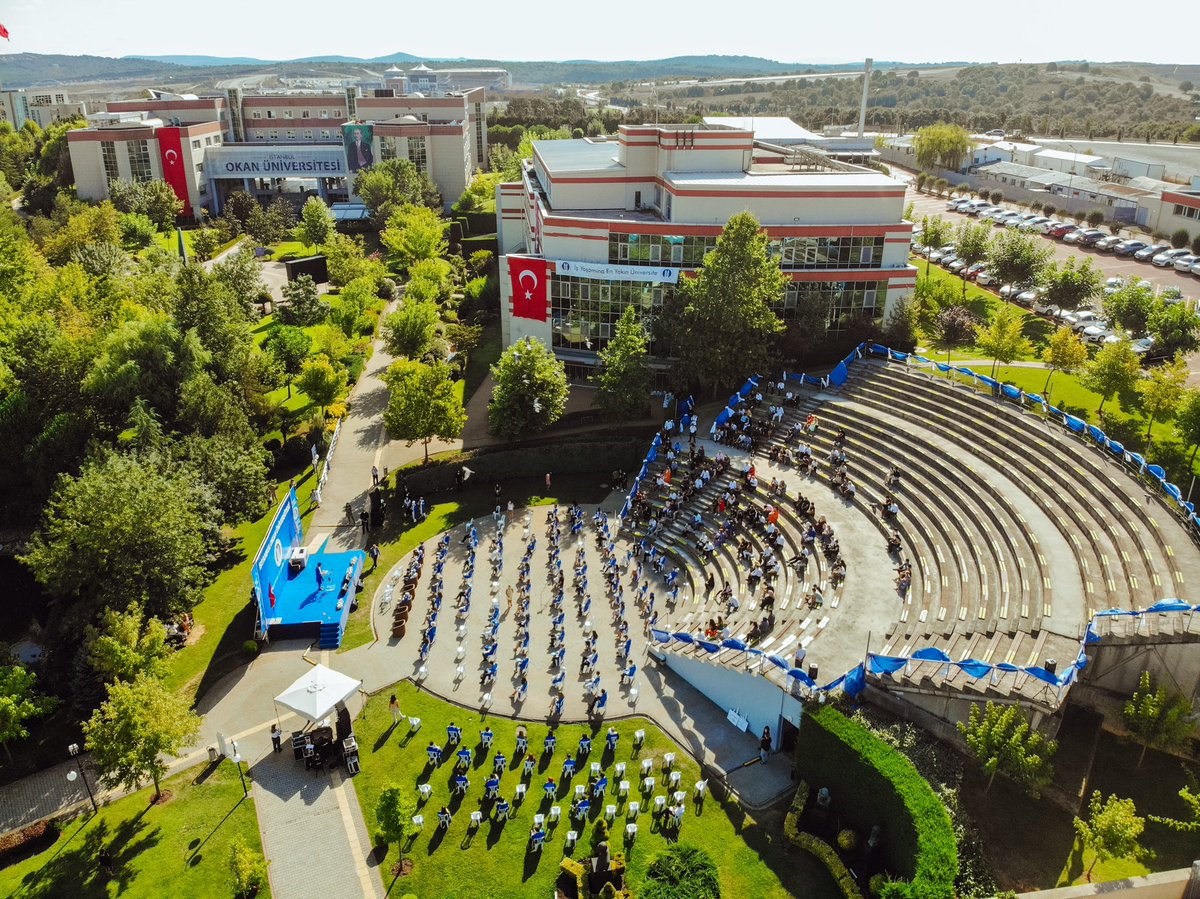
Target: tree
{"x": 1156, "y": 716}
{"x": 935, "y": 233}
{"x": 394, "y": 811}
{"x": 346, "y": 260}
{"x": 392, "y": 183}
{"x": 414, "y": 233}
{"x": 1179, "y": 238}
{"x": 290, "y": 347}
{"x": 155, "y": 199}
{"x": 997, "y": 197}
{"x": 1002, "y": 741}
{"x": 1187, "y": 421}
{"x": 1095, "y": 218}
{"x": 1174, "y": 328}
{"x": 530, "y": 390}
{"x": 971, "y": 242}
{"x": 136, "y": 230}
{"x": 127, "y": 644}
{"x": 1017, "y": 258}
{"x": 19, "y": 702}
{"x": 1130, "y": 307}
{"x": 721, "y": 322}
{"x": 682, "y": 870}
{"x": 410, "y": 330}
{"x": 624, "y": 377}
{"x": 139, "y": 723}
{"x": 1114, "y": 369}
{"x": 1112, "y": 830}
{"x": 1069, "y": 286}
{"x": 127, "y": 529}
{"x": 1162, "y": 391}
{"x": 322, "y": 380}
{"x": 205, "y": 243}
{"x": 1004, "y": 336}
{"x": 1065, "y": 351}
{"x": 953, "y": 327}
{"x": 316, "y": 222}
{"x": 422, "y": 404}
{"x": 305, "y": 305}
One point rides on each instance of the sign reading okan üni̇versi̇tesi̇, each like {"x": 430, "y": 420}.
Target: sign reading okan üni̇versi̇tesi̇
{"x": 294, "y": 162}
{"x": 608, "y": 272}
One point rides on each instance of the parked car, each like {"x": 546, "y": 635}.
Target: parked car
{"x": 1049, "y": 225}
{"x": 1096, "y": 333}
{"x": 1107, "y": 244}
{"x": 1196, "y": 269}
{"x": 937, "y": 255}
{"x": 1090, "y": 238}
{"x": 1033, "y": 224}
{"x": 1184, "y": 263}
{"x": 1168, "y": 257}
{"x": 1018, "y": 220}
{"x": 958, "y": 266}
{"x": 1142, "y": 345}
{"x": 1129, "y": 247}
{"x": 1085, "y": 318}
{"x": 1009, "y": 291}
{"x": 1070, "y": 316}
{"x": 1172, "y": 295}
{"x": 1028, "y": 297}
{"x": 1042, "y": 306}
{"x": 973, "y": 270}
{"x": 1077, "y": 235}
{"x": 1062, "y": 230}
{"x": 997, "y": 133}
{"x": 981, "y": 209}
{"x": 994, "y": 213}
{"x": 1112, "y": 285}
{"x": 1001, "y": 221}
{"x": 1148, "y": 253}
{"x": 985, "y": 278}
{"x": 952, "y": 205}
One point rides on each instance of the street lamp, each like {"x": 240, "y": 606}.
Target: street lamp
{"x": 237, "y": 760}
{"x": 73, "y": 749}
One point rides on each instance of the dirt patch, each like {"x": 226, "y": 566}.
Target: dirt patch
{"x": 163, "y": 798}
{"x": 402, "y": 868}
{"x": 195, "y": 634}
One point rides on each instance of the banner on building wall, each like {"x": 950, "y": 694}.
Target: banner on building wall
{"x": 609, "y": 272}
{"x": 170, "y": 148}
{"x": 528, "y": 287}
{"x": 357, "y": 139}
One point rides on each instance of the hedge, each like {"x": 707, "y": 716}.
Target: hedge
{"x": 873, "y": 783}
{"x": 602, "y": 456}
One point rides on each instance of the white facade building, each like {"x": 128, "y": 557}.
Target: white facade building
{"x": 600, "y": 225}
{"x": 45, "y": 106}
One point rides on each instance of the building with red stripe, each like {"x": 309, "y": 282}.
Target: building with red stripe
{"x": 601, "y": 224}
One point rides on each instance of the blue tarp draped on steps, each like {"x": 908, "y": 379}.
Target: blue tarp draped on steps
{"x": 1156, "y": 471}
{"x": 1042, "y": 674}
{"x": 932, "y": 654}
{"x": 1075, "y": 424}
{"x": 1097, "y": 435}
{"x": 1011, "y": 392}
{"x": 838, "y": 376}
{"x": 708, "y": 647}
{"x": 884, "y": 664}
{"x": 975, "y": 668}
{"x": 990, "y": 382}
{"x": 855, "y": 682}
{"x": 799, "y": 675}
{"x": 1170, "y": 605}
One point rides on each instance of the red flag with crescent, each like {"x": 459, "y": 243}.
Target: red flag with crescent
{"x": 528, "y": 287}
{"x": 4, "y": 33}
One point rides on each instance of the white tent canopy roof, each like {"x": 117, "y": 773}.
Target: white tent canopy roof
{"x": 318, "y": 692}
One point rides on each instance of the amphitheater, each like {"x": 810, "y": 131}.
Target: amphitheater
{"x": 1020, "y": 536}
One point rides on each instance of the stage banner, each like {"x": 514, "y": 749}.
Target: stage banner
{"x": 607, "y": 272}
{"x": 528, "y": 287}
{"x": 283, "y": 535}
{"x": 170, "y": 148}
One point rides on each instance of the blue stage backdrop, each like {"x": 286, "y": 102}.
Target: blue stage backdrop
{"x": 283, "y": 535}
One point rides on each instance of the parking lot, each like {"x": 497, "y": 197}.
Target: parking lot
{"x": 1105, "y": 262}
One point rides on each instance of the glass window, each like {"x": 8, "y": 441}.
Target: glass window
{"x": 196, "y": 145}
{"x": 584, "y": 311}
{"x": 417, "y": 153}
{"x": 291, "y": 135}
{"x": 841, "y": 305}
{"x": 139, "y": 160}
{"x": 304, "y": 114}
{"x": 108, "y": 152}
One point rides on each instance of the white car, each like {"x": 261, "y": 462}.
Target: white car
{"x": 1112, "y": 285}
{"x": 1018, "y": 220}
{"x": 985, "y": 278}
{"x": 1142, "y": 345}
{"x": 1097, "y": 332}
{"x": 1044, "y": 227}
{"x": 939, "y": 255}
{"x": 1029, "y": 297}
{"x": 1085, "y": 319}
{"x": 1034, "y": 223}
{"x": 1043, "y": 307}
{"x": 1196, "y": 269}
{"x": 1184, "y": 263}
{"x": 1163, "y": 260}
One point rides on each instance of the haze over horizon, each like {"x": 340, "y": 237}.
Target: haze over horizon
{"x": 540, "y": 31}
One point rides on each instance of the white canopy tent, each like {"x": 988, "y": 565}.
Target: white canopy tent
{"x": 318, "y": 692}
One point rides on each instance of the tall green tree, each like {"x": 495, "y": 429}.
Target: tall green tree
{"x": 409, "y": 331}
{"x": 1162, "y": 391}
{"x": 935, "y": 233}
{"x": 1156, "y": 716}
{"x": 422, "y": 404}
{"x": 305, "y": 305}
{"x": 952, "y": 328}
{"x": 529, "y": 392}
{"x": 392, "y": 183}
{"x": 1114, "y": 369}
{"x": 1113, "y": 829}
{"x": 1004, "y": 336}
{"x": 1069, "y": 286}
{"x": 316, "y": 222}
{"x": 1002, "y": 741}
{"x": 943, "y": 145}
{"x": 1130, "y": 307}
{"x": 414, "y": 233}
{"x": 624, "y": 379}
{"x": 205, "y": 243}
{"x": 1017, "y": 258}
{"x": 971, "y": 243}
{"x": 1065, "y": 351}
{"x": 19, "y": 702}
{"x": 722, "y": 321}
{"x": 290, "y": 347}
{"x": 140, "y": 723}
{"x": 323, "y": 380}
{"x": 1187, "y": 421}
{"x": 127, "y": 529}
{"x": 126, "y": 644}
{"x": 154, "y": 199}
{"x": 394, "y": 811}
{"x": 1175, "y": 328}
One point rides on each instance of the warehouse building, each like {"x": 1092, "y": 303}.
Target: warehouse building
{"x": 597, "y": 225}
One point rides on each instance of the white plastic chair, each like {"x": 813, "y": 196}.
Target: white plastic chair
{"x": 630, "y": 831}
{"x": 647, "y": 784}
{"x": 476, "y": 818}
{"x": 418, "y": 821}
{"x": 414, "y": 723}
{"x": 579, "y": 788}
{"x": 520, "y": 792}
{"x": 647, "y": 765}
{"x": 675, "y": 777}
{"x": 425, "y": 790}
{"x": 459, "y": 672}
{"x": 539, "y": 820}
{"x": 634, "y": 808}
{"x": 595, "y": 769}
{"x": 639, "y": 737}
{"x": 678, "y": 796}
{"x": 610, "y": 812}
{"x": 701, "y": 788}
{"x": 623, "y": 788}
{"x": 555, "y": 812}
{"x": 660, "y": 802}
{"x": 620, "y": 770}
{"x": 668, "y": 761}
{"x": 572, "y": 836}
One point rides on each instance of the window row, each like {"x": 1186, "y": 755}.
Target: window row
{"x": 288, "y": 114}
{"x": 584, "y": 312}
{"x": 792, "y": 252}
{"x": 306, "y": 134}
{"x": 1188, "y": 212}
{"x": 839, "y": 304}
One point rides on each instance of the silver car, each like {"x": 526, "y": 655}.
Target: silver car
{"x": 1164, "y": 260}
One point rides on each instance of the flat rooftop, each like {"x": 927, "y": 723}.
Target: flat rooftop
{"x": 768, "y": 128}
{"x": 577, "y": 155}
{"x": 781, "y": 176}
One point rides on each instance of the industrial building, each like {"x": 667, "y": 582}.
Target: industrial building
{"x": 597, "y": 225}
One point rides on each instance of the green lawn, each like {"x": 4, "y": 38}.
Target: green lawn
{"x": 397, "y": 538}
{"x": 167, "y": 240}
{"x": 482, "y": 358}
{"x": 179, "y": 848}
{"x": 494, "y": 862}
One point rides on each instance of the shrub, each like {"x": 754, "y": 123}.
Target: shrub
{"x": 1196, "y": 245}
{"x": 1180, "y": 238}
{"x": 877, "y": 883}
{"x": 829, "y": 858}
{"x": 873, "y": 783}
{"x": 28, "y": 840}
{"x": 847, "y": 840}
{"x": 249, "y": 869}
{"x": 250, "y": 647}
{"x": 1095, "y": 217}
{"x": 682, "y": 870}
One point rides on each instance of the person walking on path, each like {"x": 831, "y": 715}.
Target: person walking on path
{"x": 364, "y": 519}
{"x": 373, "y": 552}
{"x": 394, "y": 706}
{"x": 374, "y": 476}
{"x": 764, "y": 745}
{"x": 276, "y": 738}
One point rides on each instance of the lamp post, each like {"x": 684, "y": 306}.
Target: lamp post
{"x": 73, "y": 750}
{"x": 237, "y": 760}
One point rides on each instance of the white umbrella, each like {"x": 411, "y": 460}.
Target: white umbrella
{"x": 318, "y": 692}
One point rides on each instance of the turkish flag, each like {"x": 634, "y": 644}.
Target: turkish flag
{"x": 528, "y": 287}
{"x": 4, "y": 32}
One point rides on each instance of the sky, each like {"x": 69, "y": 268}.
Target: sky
{"x": 808, "y": 31}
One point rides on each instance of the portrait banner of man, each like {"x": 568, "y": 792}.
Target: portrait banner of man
{"x": 357, "y": 138}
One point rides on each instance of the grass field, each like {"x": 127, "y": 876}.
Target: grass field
{"x": 494, "y": 862}
{"x": 178, "y": 848}
{"x": 167, "y": 240}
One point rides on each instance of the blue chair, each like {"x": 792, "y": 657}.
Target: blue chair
{"x": 499, "y": 762}
{"x": 460, "y": 784}
{"x": 559, "y": 679}
{"x": 568, "y": 767}
{"x": 585, "y": 745}
{"x": 599, "y": 787}
{"x": 537, "y": 839}
{"x": 523, "y": 665}
{"x": 453, "y": 733}
{"x": 612, "y": 739}
{"x": 435, "y": 754}
{"x": 503, "y": 807}
{"x": 550, "y": 742}
{"x": 464, "y": 757}
{"x": 582, "y": 808}
{"x": 491, "y": 787}
{"x": 550, "y": 788}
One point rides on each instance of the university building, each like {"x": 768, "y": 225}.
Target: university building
{"x": 597, "y": 225}
{"x": 45, "y": 106}
{"x": 269, "y": 144}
